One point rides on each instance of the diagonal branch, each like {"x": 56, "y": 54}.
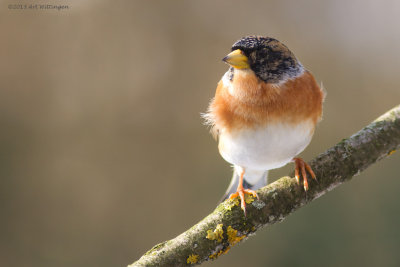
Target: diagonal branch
{"x": 226, "y": 225}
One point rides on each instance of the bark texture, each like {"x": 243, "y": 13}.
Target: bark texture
{"x": 227, "y": 225}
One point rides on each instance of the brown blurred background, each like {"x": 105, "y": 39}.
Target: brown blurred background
{"x": 103, "y": 152}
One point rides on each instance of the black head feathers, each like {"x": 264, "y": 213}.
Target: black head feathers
{"x": 271, "y": 60}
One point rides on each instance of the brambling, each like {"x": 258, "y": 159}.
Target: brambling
{"x": 264, "y": 113}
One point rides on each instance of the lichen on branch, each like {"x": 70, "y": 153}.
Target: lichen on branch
{"x": 226, "y": 225}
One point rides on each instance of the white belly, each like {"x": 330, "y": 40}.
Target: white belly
{"x": 265, "y": 148}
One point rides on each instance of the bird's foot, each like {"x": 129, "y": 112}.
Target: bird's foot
{"x": 300, "y": 167}
{"x": 240, "y": 192}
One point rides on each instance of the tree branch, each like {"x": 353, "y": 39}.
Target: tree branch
{"x": 226, "y": 225}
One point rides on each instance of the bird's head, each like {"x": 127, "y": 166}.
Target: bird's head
{"x": 268, "y": 58}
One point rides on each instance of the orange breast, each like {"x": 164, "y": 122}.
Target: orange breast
{"x": 256, "y": 103}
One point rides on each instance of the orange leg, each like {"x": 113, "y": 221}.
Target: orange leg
{"x": 301, "y": 167}
{"x": 240, "y": 191}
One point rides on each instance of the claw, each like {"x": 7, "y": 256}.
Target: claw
{"x": 303, "y": 167}
{"x": 297, "y": 175}
{"x": 308, "y": 167}
{"x": 241, "y": 191}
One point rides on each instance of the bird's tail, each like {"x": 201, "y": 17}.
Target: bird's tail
{"x": 252, "y": 180}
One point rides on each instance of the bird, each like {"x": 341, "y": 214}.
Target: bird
{"x": 264, "y": 113}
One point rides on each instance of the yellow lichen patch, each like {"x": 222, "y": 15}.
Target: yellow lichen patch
{"x": 230, "y": 203}
{"x": 217, "y": 234}
{"x": 215, "y": 255}
{"x": 226, "y": 250}
{"x": 248, "y": 198}
{"x": 233, "y": 239}
{"x": 192, "y": 259}
{"x": 219, "y": 253}
{"x": 391, "y": 152}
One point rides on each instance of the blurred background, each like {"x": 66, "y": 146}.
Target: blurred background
{"x": 103, "y": 152}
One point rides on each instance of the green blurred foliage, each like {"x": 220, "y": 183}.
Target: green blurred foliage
{"x": 103, "y": 151}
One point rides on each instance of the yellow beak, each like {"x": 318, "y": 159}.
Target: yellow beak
{"x": 237, "y": 59}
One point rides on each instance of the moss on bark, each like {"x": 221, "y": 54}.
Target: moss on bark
{"x": 277, "y": 200}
